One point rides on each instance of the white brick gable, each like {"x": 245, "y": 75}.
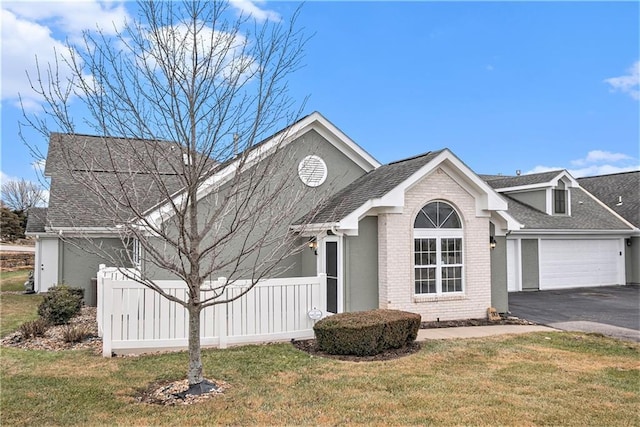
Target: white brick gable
{"x": 395, "y": 253}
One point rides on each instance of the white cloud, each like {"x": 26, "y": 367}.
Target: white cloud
{"x": 596, "y": 162}
{"x": 629, "y": 83}
{"x": 597, "y": 156}
{"x": 37, "y": 30}
{"x": 251, "y": 8}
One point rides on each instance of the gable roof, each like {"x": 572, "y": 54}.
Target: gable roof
{"x": 314, "y": 121}
{"x": 385, "y": 187}
{"x": 586, "y": 214}
{"x": 373, "y": 185}
{"x": 528, "y": 182}
{"x": 619, "y": 191}
{"x": 74, "y": 160}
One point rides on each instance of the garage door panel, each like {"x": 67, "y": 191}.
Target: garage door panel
{"x": 575, "y": 263}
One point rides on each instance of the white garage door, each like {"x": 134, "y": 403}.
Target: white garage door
{"x": 575, "y": 263}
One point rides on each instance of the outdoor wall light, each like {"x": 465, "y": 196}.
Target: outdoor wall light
{"x": 492, "y": 242}
{"x": 313, "y": 245}
{"x": 628, "y": 241}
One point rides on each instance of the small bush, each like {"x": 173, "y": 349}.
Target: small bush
{"x": 75, "y": 333}
{"x": 60, "y": 304}
{"x": 366, "y": 333}
{"x": 34, "y": 328}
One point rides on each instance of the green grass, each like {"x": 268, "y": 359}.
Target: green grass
{"x": 15, "y": 309}
{"x": 534, "y": 379}
{"x": 13, "y": 280}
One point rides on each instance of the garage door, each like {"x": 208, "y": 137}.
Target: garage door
{"x": 575, "y": 263}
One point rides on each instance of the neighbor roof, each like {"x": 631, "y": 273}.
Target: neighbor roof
{"x": 586, "y": 214}
{"x": 373, "y": 185}
{"x": 611, "y": 188}
{"x": 497, "y": 181}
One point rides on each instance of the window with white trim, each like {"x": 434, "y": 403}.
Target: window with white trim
{"x": 438, "y": 260}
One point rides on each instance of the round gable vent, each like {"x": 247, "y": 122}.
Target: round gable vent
{"x": 312, "y": 170}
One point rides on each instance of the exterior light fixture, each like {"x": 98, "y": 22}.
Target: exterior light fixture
{"x": 628, "y": 241}
{"x": 492, "y": 242}
{"x": 313, "y": 245}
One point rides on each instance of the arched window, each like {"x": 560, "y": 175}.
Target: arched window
{"x": 438, "y": 250}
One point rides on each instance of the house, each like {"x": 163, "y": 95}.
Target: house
{"x": 568, "y": 237}
{"x": 621, "y": 193}
{"x": 424, "y": 234}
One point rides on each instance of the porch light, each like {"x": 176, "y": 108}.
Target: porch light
{"x": 313, "y": 245}
{"x": 492, "y": 242}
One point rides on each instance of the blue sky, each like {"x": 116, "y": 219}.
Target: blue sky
{"x": 506, "y": 86}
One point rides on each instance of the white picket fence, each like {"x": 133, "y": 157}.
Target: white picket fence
{"x": 133, "y": 318}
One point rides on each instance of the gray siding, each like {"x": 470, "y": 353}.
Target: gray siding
{"x": 530, "y": 265}
{"x": 632, "y": 261}
{"x": 536, "y": 199}
{"x": 361, "y": 267}
{"x": 78, "y": 263}
{"x": 499, "y": 293}
{"x": 341, "y": 172}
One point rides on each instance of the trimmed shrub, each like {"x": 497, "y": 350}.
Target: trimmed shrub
{"x": 366, "y": 333}
{"x": 60, "y": 304}
{"x": 75, "y": 333}
{"x": 34, "y": 328}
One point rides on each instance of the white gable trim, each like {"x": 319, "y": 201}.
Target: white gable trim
{"x": 486, "y": 198}
{"x": 314, "y": 121}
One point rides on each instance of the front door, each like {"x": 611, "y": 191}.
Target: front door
{"x": 333, "y": 270}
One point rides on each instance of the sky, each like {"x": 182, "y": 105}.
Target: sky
{"x": 506, "y": 86}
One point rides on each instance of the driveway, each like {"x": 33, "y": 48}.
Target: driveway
{"x": 609, "y": 310}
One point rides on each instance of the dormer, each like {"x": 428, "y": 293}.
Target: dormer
{"x": 547, "y": 192}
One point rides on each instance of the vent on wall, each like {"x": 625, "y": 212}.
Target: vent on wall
{"x": 312, "y": 170}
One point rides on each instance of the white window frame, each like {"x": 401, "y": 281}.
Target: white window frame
{"x": 439, "y": 235}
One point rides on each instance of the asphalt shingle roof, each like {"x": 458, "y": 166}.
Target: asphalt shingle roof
{"x": 609, "y": 189}
{"x": 36, "y": 220}
{"x": 373, "y": 185}
{"x": 93, "y": 179}
{"x": 586, "y": 214}
{"x": 496, "y": 181}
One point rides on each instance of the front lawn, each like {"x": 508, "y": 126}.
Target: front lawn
{"x": 15, "y": 307}
{"x": 535, "y": 379}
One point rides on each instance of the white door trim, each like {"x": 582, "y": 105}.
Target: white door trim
{"x": 323, "y": 268}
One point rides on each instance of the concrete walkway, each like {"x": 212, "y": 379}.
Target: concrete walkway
{"x": 478, "y": 331}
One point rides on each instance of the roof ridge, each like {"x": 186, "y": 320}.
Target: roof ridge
{"x": 413, "y": 157}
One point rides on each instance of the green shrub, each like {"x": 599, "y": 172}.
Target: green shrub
{"x": 75, "y": 333}
{"x": 366, "y": 333}
{"x": 34, "y": 328}
{"x": 60, "y": 304}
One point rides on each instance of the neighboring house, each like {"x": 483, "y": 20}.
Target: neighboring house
{"x": 568, "y": 237}
{"x": 424, "y": 234}
{"x": 621, "y": 192}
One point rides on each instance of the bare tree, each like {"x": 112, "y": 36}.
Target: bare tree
{"x": 21, "y": 195}
{"x": 191, "y": 92}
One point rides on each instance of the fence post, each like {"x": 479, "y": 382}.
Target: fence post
{"x": 106, "y": 317}
{"x": 100, "y": 297}
{"x": 323, "y": 293}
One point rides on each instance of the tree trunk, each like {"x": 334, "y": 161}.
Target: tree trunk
{"x": 194, "y": 374}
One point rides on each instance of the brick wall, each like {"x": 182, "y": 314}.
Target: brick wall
{"x": 395, "y": 254}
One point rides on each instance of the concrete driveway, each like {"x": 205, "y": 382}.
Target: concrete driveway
{"x": 610, "y": 310}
